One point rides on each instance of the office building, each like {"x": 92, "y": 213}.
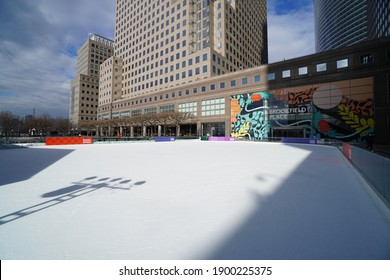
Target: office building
{"x": 346, "y": 22}
{"x": 110, "y": 85}
{"x": 342, "y": 94}
{"x": 166, "y": 43}
{"x": 85, "y": 86}
{"x": 378, "y": 18}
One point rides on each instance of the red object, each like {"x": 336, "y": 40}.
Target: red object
{"x": 255, "y": 97}
{"x": 324, "y": 126}
{"x": 68, "y": 140}
{"x": 347, "y": 151}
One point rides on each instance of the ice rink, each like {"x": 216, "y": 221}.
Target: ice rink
{"x": 187, "y": 200}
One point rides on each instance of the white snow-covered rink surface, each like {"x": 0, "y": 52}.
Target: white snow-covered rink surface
{"x": 187, "y": 200}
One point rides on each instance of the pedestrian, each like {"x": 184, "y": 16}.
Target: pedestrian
{"x": 370, "y": 142}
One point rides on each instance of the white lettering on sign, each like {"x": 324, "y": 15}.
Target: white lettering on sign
{"x": 87, "y": 141}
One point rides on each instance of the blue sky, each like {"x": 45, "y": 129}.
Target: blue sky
{"x": 39, "y": 41}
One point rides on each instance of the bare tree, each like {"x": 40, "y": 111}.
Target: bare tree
{"x": 181, "y": 117}
{"x": 62, "y": 125}
{"x": 8, "y": 124}
{"x": 44, "y": 123}
{"x": 88, "y": 126}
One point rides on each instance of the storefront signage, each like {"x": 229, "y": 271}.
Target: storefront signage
{"x": 282, "y": 113}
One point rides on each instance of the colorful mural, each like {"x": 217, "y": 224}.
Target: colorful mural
{"x": 340, "y": 110}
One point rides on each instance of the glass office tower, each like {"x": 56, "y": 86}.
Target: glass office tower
{"x": 340, "y": 23}
{"x": 378, "y": 18}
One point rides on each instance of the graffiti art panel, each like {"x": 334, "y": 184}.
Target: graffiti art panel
{"x": 341, "y": 110}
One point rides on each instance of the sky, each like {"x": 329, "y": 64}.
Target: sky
{"x": 39, "y": 41}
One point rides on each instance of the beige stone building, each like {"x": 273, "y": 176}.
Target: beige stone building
{"x": 110, "y": 86}
{"x": 85, "y": 86}
{"x": 168, "y": 43}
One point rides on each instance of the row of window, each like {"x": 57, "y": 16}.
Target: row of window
{"x": 304, "y": 70}
{"x": 202, "y": 89}
{"x": 209, "y": 107}
{"x": 322, "y": 67}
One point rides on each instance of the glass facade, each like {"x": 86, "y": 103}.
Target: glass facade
{"x": 346, "y": 22}
{"x": 339, "y": 23}
{"x": 378, "y": 18}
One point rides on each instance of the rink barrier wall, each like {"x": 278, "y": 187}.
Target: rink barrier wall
{"x": 374, "y": 167}
{"x": 164, "y": 139}
{"x": 298, "y": 140}
{"x": 68, "y": 140}
{"x": 221, "y": 138}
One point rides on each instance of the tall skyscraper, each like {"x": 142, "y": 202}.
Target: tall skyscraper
{"x": 85, "y": 86}
{"x": 378, "y": 18}
{"x": 164, "y": 43}
{"x": 340, "y": 23}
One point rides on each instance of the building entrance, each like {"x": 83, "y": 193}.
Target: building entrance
{"x": 294, "y": 132}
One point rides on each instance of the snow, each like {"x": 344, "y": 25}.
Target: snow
{"x": 187, "y": 200}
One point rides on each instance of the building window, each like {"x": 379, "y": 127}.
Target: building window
{"x": 167, "y": 108}
{"x": 233, "y": 83}
{"x": 148, "y": 111}
{"x": 366, "y": 59}
{"x": 212, "y": 87}
{"x": 256, "y": 79}
{"x": 286, "y": 74}
{"x": 222, "y": 85}
{"x": 303, "y": 70}
{"x": 244, "y": 81}
{"x": 190, "y": 107}
{"x": 213, "y": 107}
{"x": 342, "y": 63}
{"x": 321, "y": 67}
{"x": 271, "y": 76}
{"x": 135, "y": 113}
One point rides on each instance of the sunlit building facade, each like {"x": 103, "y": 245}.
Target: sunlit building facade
{"x": 84, "y": 91}
{"x": 167, "y": 43}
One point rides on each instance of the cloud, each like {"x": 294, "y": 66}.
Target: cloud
{"x": 290, "y": 29}
{"x": 38, "y": 48}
